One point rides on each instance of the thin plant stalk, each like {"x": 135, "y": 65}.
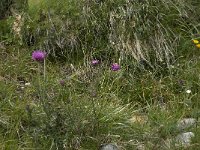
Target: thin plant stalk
{"x": 42, "y": 88}
{"x": 44, "y": 69}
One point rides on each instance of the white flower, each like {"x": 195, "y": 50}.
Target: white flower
{"x": 27, "y": 84}
{"x": 188, "y": 91}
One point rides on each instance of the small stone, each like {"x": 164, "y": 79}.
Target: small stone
{"x": 140, "y": 147}
{"x": 108, "y": 147}
{"x": 185, "y": 123}
{"x": 184, "y": 139}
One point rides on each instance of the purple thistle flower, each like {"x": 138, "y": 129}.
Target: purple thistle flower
{"x": 95, "y": 62}
{"x": 115, "y": 67}
{"x": 62, "y": 82}
{"x": 38, "y": 55}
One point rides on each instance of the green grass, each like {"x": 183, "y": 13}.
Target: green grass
{"x": 96, "y": 105}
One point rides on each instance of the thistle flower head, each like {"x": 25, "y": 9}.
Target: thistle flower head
{"x": 38, "y": 55}
{"x": 115, "y": 67}
{"x": 95, "y": 62}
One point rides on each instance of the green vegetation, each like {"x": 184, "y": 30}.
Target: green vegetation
{"x": 70, "y": 103}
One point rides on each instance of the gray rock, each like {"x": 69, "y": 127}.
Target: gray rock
{"x": 185, "y": 123}
{"x": 184, "y": 139}
{"x": 109, "y": 147}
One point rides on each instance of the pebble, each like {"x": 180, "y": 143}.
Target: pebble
{"x": 140, "y": 147}
{"x": 184, "y": 139}
{"x": 186, "y": 123}
{"x": 109, "y": 147}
